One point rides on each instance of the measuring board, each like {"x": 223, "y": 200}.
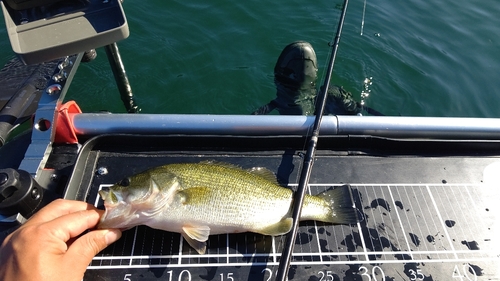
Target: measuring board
{"x": 445, "y": 230}
{"x": 409, "y": 232}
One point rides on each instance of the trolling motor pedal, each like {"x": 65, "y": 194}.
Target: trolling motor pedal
{"x": 20, "y": 193}
{"x": 45, "y": 30}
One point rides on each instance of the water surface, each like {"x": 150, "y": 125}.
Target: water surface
{"x": 426, "y": 58}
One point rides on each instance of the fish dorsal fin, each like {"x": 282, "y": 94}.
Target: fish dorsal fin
{"x": 279, "y": 228}
{"x": 196, "y": 236}
{"x": 220, "y": 163}
{"x": 259, "y": 171}
{"x": 264, "y": 173}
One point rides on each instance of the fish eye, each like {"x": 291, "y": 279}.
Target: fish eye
{"x": 125, "y": 182}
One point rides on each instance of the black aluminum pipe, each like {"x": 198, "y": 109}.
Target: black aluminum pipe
{"x": 116, "y": 63}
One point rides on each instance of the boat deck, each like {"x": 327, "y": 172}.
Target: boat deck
{"x": 427, "y": 212}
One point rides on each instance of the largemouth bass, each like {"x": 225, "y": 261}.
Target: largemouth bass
{"x": 198, "y": 200}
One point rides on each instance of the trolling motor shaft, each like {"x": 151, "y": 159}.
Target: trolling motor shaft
{"x": 116, "y": 64}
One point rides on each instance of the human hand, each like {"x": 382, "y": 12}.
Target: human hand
{"x": 48, "y": 245}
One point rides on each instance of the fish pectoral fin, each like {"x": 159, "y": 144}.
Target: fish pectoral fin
{"x": 279, "y": 228}
{"x": 196, "y": 236}
{"x": 194, "y": 195}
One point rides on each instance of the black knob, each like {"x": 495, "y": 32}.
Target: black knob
{"x": 3, "y": 178}
{"x": 20, "y": 193}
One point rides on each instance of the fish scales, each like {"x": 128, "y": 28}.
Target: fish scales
{"x": 248, "y": 201}
{"x": 200, "y": 199}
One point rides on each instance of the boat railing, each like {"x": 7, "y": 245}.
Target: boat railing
{"x": 91, "y": 124}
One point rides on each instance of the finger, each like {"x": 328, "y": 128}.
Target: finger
{"x": 90, "y": 244}
{"x": 57, "y": 208}
{"x": 73, "y": 224}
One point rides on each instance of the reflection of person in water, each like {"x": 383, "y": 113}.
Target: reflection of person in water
{"x": 295, "y": 77}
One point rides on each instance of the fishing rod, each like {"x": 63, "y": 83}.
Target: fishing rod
{"x": 305, "y": 174}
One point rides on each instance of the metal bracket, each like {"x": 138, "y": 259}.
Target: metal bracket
{"x": 44, "y": 126}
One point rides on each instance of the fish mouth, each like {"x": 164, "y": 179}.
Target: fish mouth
{"x": 117, "y": 216}
{"x": 104, "y": 194}
{"x": 124, "y": 213}
{"x": 117, "y": 213}
{"x": 109, "y": 197}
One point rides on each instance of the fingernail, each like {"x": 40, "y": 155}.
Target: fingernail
{"x": 112, "y": 235}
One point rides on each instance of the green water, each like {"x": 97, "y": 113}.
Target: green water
{"x": 427, "y": 58}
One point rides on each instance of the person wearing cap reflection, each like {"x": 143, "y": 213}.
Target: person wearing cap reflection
{"x": 295, "y": 75}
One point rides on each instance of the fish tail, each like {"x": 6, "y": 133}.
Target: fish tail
{"x": 333, "y": 206}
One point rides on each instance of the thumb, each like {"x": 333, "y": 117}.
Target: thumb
{"x": 90, "y": 244}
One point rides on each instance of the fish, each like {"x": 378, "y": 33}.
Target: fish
{"x": 209, "y": 198}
